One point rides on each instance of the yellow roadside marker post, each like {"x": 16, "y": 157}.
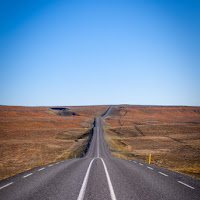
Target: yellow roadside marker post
{"x": 41, "y": 161}
{"x": 118, "y": 156}
{"x": 75, "y": 156}
{"x": 149, "y": 158}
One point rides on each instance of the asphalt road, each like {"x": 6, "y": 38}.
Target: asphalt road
{"x": 100, "y": 176}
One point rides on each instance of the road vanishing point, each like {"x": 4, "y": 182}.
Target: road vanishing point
{"x": 98, "y": 176}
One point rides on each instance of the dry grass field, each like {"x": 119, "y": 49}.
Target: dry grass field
{"x": 170, "y": 134}
{"x": 56, "y": 133}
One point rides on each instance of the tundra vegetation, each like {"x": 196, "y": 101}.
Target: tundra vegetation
{"x": 55, "y": 133}
{"x": 171, "y": 134}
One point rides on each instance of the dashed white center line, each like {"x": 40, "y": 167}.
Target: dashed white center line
{"x": 150, "y": 168}
{"x": 163, "y": 174}
{"x": 41, "y": 169}
{"x": 27, "y": 175}
{"x": 130, "y": 160}
{"x": 62, "y": 161}
{"x": 134, "y": 161}
{"x": 50, "y": 165}
{"x": 57, "y": 163}
{"x": 6, "y": 185}
{"x": 186, "y": 185}
{"x": 141, "y": 164}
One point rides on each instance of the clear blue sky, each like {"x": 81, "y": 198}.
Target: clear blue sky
{"x": 56, "y": 52}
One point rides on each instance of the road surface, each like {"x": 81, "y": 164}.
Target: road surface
{"x": 99, "y": 176}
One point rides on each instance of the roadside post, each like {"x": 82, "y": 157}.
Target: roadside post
{"x": 41, "y": 161}
{"x": 149, "y": 158}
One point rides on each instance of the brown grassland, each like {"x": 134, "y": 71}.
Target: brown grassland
{"x": 171, "y": 134}
{"x": 27, "y": 133}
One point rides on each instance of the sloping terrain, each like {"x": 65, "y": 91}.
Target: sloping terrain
{"x": 171, "y": 134}
{"x": 55, "y": 133}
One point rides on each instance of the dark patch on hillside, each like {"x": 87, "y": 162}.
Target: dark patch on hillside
{"x": 64, "y": 111}
{"x": 58, "y": 108}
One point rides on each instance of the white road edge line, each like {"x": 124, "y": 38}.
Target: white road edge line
{"x": 98, "y": 142}
{"x": 50, "y": 165}
{"x": 41, "y": 169}
{"x": 163, "y": 174}
{"x": 150, "y": 168}
{"x": 84, "y": 185}
{"x": 186, "y": 185}
{"x": 112, "y": 193}
{"x": 141, "y": 164}
{"x": 57, "y": 163}
{"x": 134, "y": 161}
{"x": 27, "y": 175}
{"x": 6, "y": 185}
